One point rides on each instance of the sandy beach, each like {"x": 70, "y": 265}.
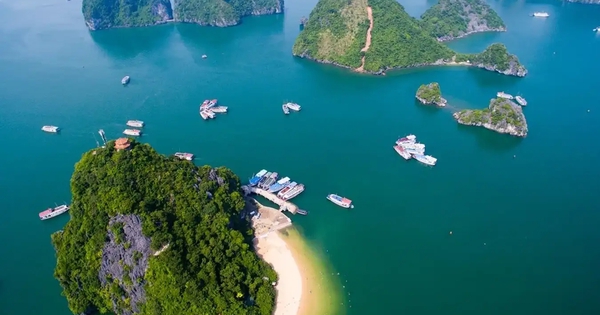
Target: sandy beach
{"x": 305, "y": 286}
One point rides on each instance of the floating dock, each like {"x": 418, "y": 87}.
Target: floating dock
{"x": 283, "y": 205}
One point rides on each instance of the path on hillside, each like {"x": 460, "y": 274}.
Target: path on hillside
{"x": 368, "y": 42}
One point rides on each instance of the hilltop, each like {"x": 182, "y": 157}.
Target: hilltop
{"x": 502, "y": 116}
{"x": 431, "y": 94}
{"x": 155, "y": 235}
{"x": 451, "y": 19}
{"x": 338, "y": 32}
{"x": 102, "y": 14}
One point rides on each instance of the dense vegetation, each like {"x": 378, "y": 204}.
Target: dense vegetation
{"x": 193, "y": 214}
{"x": 502, "y": 116}
{"x": 336, "y": 32}
{"x": 100, "y": 14}
{"x": 450, "y": 19}
{"x": 496, "y": 54}
{"x": 223, "y": 12}
{"x": 430, "y": 93}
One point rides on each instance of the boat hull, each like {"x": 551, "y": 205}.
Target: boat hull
{"x": 339, "y": 203}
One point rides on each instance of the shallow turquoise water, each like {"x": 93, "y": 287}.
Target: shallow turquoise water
{"x": 524, "y": 229}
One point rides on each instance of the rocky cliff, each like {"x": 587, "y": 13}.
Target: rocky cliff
{"x": 451, "y": 19}
{"x": 223, "y": 13}
{"x": 431, "y": 94}
{"x": 502, "y": 116}
{"x": 495, "y": 58}
{"x": 102, "y": 14}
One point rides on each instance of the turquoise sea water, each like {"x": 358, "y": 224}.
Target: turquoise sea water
{"x": 525, "y": 228}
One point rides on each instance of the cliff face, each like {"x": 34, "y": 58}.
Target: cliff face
{"x": 451, "y": 19}
{"x": 223, "y": 13}
{"x": 102, "y": 14}
{"x": 496, "y": 58}
{"x": 502, "y": 116}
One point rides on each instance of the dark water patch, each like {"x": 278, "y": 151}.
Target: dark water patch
{"x": 127, "y": 43}
{"x": 490, "y": 140}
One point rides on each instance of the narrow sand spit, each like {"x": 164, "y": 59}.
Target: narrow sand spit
{"x": 368, "y": 42}
{"x": 273, "y": 249}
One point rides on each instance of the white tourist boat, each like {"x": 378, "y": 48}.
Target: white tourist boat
{"x": 340, "y": 201}
{"x": 426, "y": 159}
{"x": 135, "y": 123}
{"x": 293, "y": 106}
{"x": 53, "y": 212}
{"x": 521, "y": 100}
{"x": 51, "y": 129}
{"x": 125, "y": 80}
{"x": 541, "y": 14}
{"x": 504, "y": 95}
{"x": 132, "y": 132}
{"x": 184, "y": 155}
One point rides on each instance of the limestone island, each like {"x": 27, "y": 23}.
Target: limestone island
{"x": 103, "y": 14}
{"x": 151, "y": 235}
{"x": 373, "y": 36}
{"x": 431, "y": 94}
{"x": 452, "y": 19}
{"x": 502, "y": 116}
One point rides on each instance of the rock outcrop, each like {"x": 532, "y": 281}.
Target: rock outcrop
{"x": 496, "y": 58}
{"x": 452, "y": 19}
{"x": 124, "y": 261}
{"x": 100, "y": 14}
{"x": 502, "y": 116}
{"x": 431, "y": 94}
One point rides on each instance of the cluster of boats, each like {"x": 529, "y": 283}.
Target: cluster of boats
{"x": 517, "y": 98}
{"x": 53, "y": 212}
{"x": 208, "y": 109}
{"x": 284, "y": 187}
{"x": 408, "y": 148}
{"x": 134, "y": 132}
{"x": 290, "y": 106}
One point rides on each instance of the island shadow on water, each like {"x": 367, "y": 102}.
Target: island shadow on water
{"x": 490, "y": 140}
{"x": 127, "y": 43}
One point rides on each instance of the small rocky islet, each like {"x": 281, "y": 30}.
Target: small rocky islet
{"x": 431, "y": 94}
{"x": 340, "y": 33}
{"x": 502, "y": 115}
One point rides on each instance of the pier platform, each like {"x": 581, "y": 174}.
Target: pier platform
{"x": 283, "y": 205}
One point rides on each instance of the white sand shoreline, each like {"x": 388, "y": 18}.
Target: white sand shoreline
{"x": 274, "y": 250}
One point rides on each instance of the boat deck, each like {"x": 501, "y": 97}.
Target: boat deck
{"x": 283, "y": 205}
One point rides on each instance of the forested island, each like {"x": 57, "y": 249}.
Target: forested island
{"x": 451, "y": 19}
{"x": 502, "y": 116}
{"x": 431, "y": 94}
{"x": 338, "y": 32}
{"x": 102, "y": 14}
{"x": 156, "y": 235}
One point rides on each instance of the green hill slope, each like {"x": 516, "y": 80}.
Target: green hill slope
{"x": 337, "y": 31}
{"x": 154, "y": 235}
{"x": 450, "y": 19}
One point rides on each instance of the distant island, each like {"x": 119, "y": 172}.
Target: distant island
{"x": 502, "y": 116}
{"x": 103, "y": 14}
{"x": 451, "y": 19}
{"x": 155, "y": 235}
{"x": 378, "y": 35}
{"x": 431, "y": 94}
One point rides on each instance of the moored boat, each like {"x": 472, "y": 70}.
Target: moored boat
{"x": 408, "y": 139}
{"x": 504, "y": 95}
{"x": 208, "y": 104}
{"x": 132, "y": 132}
{"x": 51, "y": 129}
{"x": 402, "y": 152}
{"x": 279, "y": 185}
{"x": 412, "y": 145}
{"x": 263, "y": 179}
{"x": 426, "y": 159}
{"x": 135, "y": 123}
{"x": 218, "y": 109}
{"x": 286, "y": 110}
{"x": 340, "y": 201}
{"x": 286, "y": 189}
{"x": 125, "y": 80}
{"x": 414, "y": 152}
{"x": 53, "y": 212}
{"x": 541, "y": 14}
{"x": 298, "y": 189}
{"x": 270, "y": 181}
{"x": 184, "y": 155}
{"x": 293, "y": 106}
{"x": 521, "y": 101}
{"x": 257, "y": 177}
